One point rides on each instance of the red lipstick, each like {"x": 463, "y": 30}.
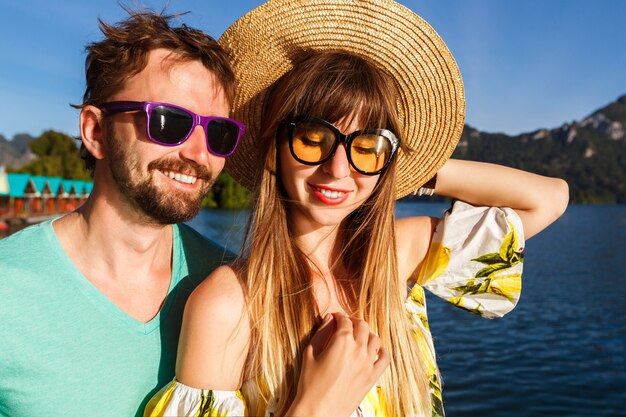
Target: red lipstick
{"x": 330, "y": 195}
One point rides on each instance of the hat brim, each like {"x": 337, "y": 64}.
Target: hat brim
{"x": 264, "y": 43}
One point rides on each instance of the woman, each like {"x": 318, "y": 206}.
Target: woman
{"x": 346, "y": 113}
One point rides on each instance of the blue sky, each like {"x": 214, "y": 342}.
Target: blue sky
{"x": 526, "y": 64}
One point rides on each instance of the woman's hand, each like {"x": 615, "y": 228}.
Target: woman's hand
{"x": 339, "y": 367}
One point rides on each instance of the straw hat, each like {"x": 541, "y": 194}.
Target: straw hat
{"x": 431, "y": 101}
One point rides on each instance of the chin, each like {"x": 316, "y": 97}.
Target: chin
{"x": 331, "y": 216}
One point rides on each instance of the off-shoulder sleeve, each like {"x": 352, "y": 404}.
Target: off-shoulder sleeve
{"x": 179, "y": 400}
{"x": 475, "y": 259}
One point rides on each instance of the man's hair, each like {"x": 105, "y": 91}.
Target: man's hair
{"x": 125, "y": 49}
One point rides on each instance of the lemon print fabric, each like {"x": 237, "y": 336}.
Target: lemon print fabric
{"x": 177, "y": 399}
{"x": 475, "y": 260}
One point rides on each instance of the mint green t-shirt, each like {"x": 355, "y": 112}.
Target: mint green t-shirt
{"x": 66, "y": 349}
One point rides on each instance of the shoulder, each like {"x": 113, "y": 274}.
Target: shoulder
{"x": 218, "y": 296}
{"x": 419, "y": 224}
{"x": 413, "y": 237}
{"x": 28, "y": 261}
{"x": 215, "y": 333}
{"x": 216, "y": 312}
{"x": 24, "y": 246}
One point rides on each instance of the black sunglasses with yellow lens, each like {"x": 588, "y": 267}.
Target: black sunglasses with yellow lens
{"x": 313, "y": 141}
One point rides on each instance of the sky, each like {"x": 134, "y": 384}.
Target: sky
{"x": 526, "y": 64}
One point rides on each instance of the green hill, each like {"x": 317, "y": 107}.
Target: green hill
{"x": 590, "y": 155}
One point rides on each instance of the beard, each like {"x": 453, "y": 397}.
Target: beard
{"x": 141, "y": 189}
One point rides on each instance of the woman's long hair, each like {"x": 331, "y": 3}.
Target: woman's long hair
{"x": 277, "y": 277}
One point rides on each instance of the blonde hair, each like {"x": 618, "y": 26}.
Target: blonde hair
{"x": 277, "y": 279}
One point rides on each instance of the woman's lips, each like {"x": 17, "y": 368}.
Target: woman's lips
{"x": 330, "y": 195}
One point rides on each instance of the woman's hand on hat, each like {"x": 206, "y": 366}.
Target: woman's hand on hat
{"x": 339, "y": 367}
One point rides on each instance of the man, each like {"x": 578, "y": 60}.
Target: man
{"x": 91, "y": 303}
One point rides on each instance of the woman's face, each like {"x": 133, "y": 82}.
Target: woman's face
{"x": 325, "y": 194}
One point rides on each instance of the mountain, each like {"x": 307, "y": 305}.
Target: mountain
{"x": 590, "y": 154}
{"x": 611, "y": 120}
{"x": 15, "y": 153}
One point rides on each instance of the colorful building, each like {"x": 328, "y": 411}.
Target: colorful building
{"x": 26, "y": 195}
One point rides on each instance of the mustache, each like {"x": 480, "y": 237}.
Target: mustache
{"x": 184, "y": 167}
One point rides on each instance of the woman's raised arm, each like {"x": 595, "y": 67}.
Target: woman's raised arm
{"x": 537, "y": 199}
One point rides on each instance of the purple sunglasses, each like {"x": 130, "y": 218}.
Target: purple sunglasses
{"x": 170, "y": 125}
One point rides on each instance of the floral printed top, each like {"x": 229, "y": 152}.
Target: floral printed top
{"x": 474, "y": 262}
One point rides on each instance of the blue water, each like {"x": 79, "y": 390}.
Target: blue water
{"x": 561, "y": 352}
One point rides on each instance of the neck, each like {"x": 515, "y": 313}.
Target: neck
{"x": 332, "y": 287}
{"x": 107, "y": 237}
{"x": 319, "y": 246}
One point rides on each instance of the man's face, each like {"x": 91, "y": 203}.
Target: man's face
{"x": 164, "y": 184}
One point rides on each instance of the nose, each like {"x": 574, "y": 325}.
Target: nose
{"x": 338, "y": 166}
{"x": 195, "y": 147}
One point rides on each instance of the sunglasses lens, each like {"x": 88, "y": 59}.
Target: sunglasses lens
{"x": 370, "y": 152}
{"x": 169, "y": 125}
{"x": 222, "y": 136}
{"x": 311, "y": 141}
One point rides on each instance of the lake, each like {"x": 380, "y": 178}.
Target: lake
{"x": 560, "y": 352}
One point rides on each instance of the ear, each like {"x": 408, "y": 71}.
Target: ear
{"x": 92, "y": 131}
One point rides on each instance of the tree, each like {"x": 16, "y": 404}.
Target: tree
{"x": 58, "y": 157}
{"x": 228, "y": 194}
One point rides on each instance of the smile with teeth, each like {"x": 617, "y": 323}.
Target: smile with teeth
{"x": 177, "y": 176}
{"x": 331, "y": 194}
